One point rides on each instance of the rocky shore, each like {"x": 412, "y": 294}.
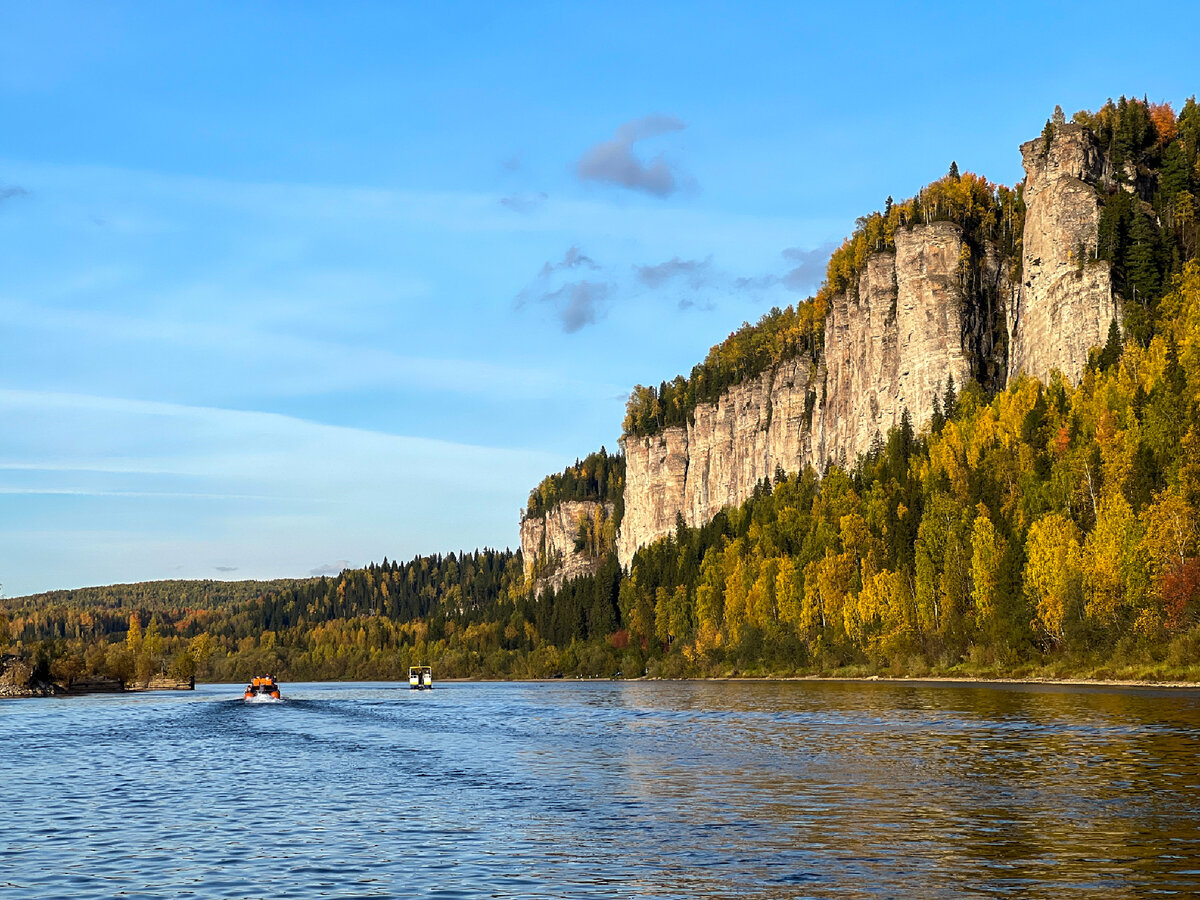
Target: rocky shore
{"x": 18, "y": 678}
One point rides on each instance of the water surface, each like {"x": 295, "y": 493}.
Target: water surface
{"x": 581, "y": 789}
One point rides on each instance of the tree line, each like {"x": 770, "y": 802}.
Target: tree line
{"x": 598, "y": 476}
{"x": 1150, "y": 220}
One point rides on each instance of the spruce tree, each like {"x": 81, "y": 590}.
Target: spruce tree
{"x": 950, "y": 400}
{"x": 1141, "y": 263}
{"x": 1175, "y": 176}
{"x": 1112, "y": 347}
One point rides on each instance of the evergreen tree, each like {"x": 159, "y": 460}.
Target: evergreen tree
{"x": 1142, "y": 271}
{"x": 936, "y": 419}
{"x": 950, "y": 400}
{"x": 1112, "y": 347}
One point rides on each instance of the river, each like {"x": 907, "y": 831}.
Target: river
{"x": 604, "y": 789}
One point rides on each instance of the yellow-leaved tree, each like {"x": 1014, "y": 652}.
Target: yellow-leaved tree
{"x": 1114, "y": 573}
{"x": 987, "y": 552}
{"x": 1053, "y": 572}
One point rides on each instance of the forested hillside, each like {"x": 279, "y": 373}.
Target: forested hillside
{"x": 1032, "y": 527}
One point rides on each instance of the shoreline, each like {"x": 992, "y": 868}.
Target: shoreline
{"x": 975, "y": 680}
{"x": 972, "y": 679}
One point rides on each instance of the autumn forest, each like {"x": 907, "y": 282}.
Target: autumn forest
{"x": 1029, "y": 529}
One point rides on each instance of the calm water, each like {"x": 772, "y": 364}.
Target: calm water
{"x": 603, "y": 789}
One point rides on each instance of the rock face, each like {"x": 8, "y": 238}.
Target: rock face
{"x": 933, "y": 308}
{"x": 548, "y": 542}
{"x": 17, "y": 679}
{"x": 1065, "y": 302}
{"x": 889, "y": 346}
{"x": 733, "y": 444}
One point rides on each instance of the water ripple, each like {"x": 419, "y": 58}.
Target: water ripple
{"x": 604, "y": 789}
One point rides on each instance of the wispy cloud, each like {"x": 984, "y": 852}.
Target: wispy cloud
{"x": 574, "y": 258}
{"x": 524, "y": 203}
{"x": 702, "y": 283}
{"x": 9, "y": 191}
{"x": 613, "y": 161}
{"x": 694, "y": 284}
{"x": 697, "y": 273}
{"x": 576, "y": 303}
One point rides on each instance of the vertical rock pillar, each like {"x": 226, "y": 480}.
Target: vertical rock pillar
{"x": 1065, "y": 302}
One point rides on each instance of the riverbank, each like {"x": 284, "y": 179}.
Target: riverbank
{"x": 20, "y": 678}
{"x": 978, "y": 680}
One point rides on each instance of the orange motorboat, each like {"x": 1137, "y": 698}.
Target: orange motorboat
{"x": 262, "y": 688}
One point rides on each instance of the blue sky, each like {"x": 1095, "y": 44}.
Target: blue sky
{"x": 290, "y": 286}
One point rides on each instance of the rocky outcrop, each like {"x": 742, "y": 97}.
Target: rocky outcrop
{"x": 1065, "y": 303}
{"x": 890, "y": 344}
{"x": 566, "y": 542}
{"x": 18, "y": 679}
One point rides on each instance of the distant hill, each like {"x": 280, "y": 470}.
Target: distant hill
{"x": 156, "y": 595}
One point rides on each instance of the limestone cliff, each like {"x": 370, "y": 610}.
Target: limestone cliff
{"x": 1065, "y": 302}
{"x": 890, "y": 343}
{"x": 940, "y": 304}
{"x": 733, "y": 444}
{"x": 566, "y": 541}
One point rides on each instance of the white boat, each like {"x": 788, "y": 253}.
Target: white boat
{"x": 420, "y": 678}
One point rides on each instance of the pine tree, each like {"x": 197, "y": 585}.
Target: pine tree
{"x": 1175, "y": 176}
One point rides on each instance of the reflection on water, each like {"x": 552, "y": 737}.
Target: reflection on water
{"x": 782, "y": 789}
